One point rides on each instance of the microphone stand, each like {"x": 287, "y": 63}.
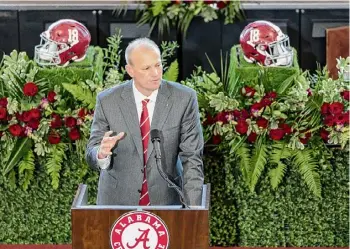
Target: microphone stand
{"x": 166, "y": 178}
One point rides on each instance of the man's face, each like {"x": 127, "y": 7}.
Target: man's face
{"x": 146, "y": 69}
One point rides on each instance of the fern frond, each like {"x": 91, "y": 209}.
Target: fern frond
{"x": 84, "y": 95}
{"x": 276, "y": 175}
{"x": 258, "y": 163}
{"x": 54, "y": 163}
{"x": 279, "y": 151}
{"x": 173, "y": 71}
{"x": 307, "y": 167}
{"x": 244, "y": 156}
{"x": 26, "y": 169}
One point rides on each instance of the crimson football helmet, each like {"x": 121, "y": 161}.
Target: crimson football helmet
{"x": 64, "y": 41}
{"x": 263, "y": 42}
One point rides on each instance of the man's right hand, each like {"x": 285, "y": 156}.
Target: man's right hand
{"x": 108, "y": 143}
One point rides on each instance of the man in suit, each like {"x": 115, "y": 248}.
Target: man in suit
{"x": 120, "y": 146}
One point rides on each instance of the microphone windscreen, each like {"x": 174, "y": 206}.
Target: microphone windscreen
{"x": 155, "y": 134}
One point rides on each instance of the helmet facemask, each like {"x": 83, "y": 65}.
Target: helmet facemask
{"x": 47, "y": 52}
{"x": 279, "y": 53}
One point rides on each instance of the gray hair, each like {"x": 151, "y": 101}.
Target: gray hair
{"x": 140, "y": 42}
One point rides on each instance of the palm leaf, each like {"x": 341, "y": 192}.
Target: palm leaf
{"x": 84, "y": 95}
{"x": 21, "y": 148}
{"x": 312, "y": 110}
{"x": 173, "y": 71}
{"x": 307, "y": 166}
{"x": 258, "y": 163}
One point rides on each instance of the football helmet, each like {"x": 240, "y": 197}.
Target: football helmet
{"x": 263, "y": 42}
{"x": 64, "y": 41}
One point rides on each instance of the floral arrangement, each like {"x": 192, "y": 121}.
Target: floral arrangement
{"x": 180, "y": 13}
{"x": 261, "y": 126}
{"x": 42, "y": 120}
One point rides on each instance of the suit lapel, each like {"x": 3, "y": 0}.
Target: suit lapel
{"x": 161, "y": 111}
{"x": 129, "y": 111}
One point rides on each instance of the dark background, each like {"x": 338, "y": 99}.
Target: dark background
{"x": 20, "y": 30}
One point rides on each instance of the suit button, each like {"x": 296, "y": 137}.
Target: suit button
{"x": 139, "y": 190}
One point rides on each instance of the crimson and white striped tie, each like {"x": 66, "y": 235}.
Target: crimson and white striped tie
{"x": 145, "y": 130}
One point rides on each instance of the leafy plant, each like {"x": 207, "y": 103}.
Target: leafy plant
{"x": 260, "y": 125}
{"x": 180, "y": 13}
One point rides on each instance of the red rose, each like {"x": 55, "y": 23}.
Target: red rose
{"x": 276, "y": 134}
{"x": 209, "y": 1}
{"x": 51, "y": 96}
{"x": 70, "y": 122}
{"x": 266, "y": 102}
{"x": 255, "y": 108}
{"x": 287, "y": 129}
{"x": 34, "y": 124}
{"x": 336, "y": 108}
{"x": 3, "y": 102}
{"x": 54, "y": 138}
{"x": 176, "y": 1}
{"x": 346, "y": 95}
{"x": 346, "y": 117}
{"x": 325, "y": 108}
{"x": 329, "y": 120}
{"x": 16, "y": 130}
{"x": 340, "y": 119}
{"x": 324, "y": 134}
{"x": 3, "y": 113}
{"x": 252, "y": 137}
{"x": 262, "y": 122}
{"x": 221, "y": 5}
{"x": 83, "y": 112}
{"x": 243, "y": 114}
{"x": 34, "y": 113}
{"x": 56, "y": 122}
{"x": 216, "y": 139}
{"x": 26, "y": 116}
{"x": 305, "y": 139}
{"x": 221, "y": 117}
{"x": 30, "y": 89}
{"x": 74, "y": 134}
{"x": 248, "y": 91}
{"x": 241, "y": 126}
{"x": 19, "y": 116}
{"x": 270, "y": 95}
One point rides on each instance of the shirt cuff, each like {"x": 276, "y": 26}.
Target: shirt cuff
{"x": 103, "y": 163}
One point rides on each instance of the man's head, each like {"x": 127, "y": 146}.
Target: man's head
{"x": 144, "y": 65}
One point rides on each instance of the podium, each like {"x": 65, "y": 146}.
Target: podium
{"x": 94, "y": 225}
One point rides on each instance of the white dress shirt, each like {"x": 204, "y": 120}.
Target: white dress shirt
{"x": 104, "y": 163}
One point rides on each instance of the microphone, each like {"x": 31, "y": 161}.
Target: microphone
{"x": 155, "y": 138}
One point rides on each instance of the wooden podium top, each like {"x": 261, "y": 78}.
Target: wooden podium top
{"x": 81, "y": 202}
{"x": 115, "y": 226}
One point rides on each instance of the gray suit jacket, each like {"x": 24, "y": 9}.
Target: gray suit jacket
{"x": 176, "y": 116}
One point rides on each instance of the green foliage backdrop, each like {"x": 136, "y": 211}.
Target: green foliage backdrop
{"x": 289, "y": 216}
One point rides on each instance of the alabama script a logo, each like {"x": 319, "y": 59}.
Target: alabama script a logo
{"x": 139, "y": 230}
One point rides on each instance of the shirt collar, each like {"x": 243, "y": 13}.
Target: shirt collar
{"x": 139, "y": 96}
